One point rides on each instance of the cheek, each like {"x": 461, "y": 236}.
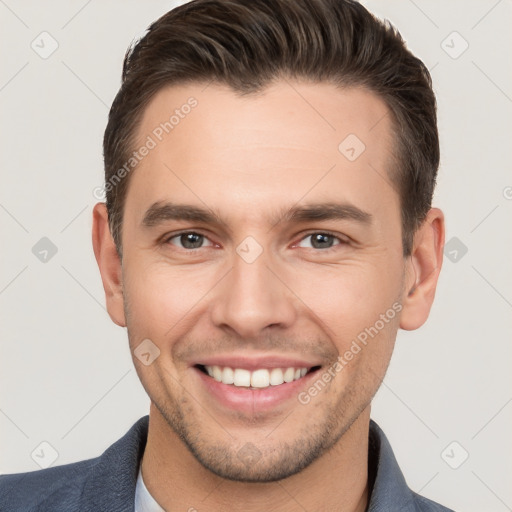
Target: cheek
{"x": 349, "y": 300}
{"x": 162, "y": 298}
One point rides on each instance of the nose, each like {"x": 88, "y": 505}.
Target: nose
{"x": 252, "y": 298}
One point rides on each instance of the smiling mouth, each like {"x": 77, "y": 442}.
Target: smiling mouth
{"x": 260, "y": 378}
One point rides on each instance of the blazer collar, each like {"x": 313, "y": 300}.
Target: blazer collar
{"x": 390, "y": 490}
{"x": 111, "y": 483}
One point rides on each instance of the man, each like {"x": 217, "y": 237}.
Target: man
{"x": 269, "y": 171}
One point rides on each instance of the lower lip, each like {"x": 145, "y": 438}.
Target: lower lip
{"x": 250, "y": 400}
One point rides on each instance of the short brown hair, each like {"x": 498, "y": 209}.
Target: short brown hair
{"x": 247, "y": 44}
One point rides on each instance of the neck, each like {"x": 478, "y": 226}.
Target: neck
{"x": 338, "y": 480}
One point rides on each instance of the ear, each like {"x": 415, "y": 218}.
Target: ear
{"x": 109, "y": 264}
{"x": 422, "y": 271}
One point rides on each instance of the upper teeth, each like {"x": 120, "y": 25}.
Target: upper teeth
{"x": 260, "y": 378}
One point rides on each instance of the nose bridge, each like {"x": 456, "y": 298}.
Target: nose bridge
{"x": 252, "y": 297}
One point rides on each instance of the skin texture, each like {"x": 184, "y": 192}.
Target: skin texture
{"x": 249, "y": 159}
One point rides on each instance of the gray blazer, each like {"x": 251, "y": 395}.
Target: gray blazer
{"x": 107, "y": 483}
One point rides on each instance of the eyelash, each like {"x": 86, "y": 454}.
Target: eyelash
{"x": 341, "y": 240}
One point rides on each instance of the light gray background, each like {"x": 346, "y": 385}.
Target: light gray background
{"x": 66, "y": 373}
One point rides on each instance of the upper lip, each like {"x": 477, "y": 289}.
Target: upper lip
{"x": 256, "y": 362}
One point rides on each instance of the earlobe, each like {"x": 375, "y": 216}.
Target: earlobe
{"x": 109, "y": 264}
{"x": 423, "y": 268}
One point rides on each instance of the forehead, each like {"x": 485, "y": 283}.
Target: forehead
{"x": 309, "y": 115}
{"x": 214, "y": 146}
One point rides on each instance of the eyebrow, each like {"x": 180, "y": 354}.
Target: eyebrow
{"x": 159, "y": 213}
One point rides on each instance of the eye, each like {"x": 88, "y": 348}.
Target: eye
{"x": 189, "y": 240}
{"x": 321, "y": 240}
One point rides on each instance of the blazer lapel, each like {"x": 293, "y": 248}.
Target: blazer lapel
{"x": 111, "y": 483}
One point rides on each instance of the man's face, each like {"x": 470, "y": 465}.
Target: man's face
{"x": 257, "y": 288}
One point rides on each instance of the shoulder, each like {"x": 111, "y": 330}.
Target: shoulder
{"x": 423, "y": 504}
{"x": 389, "y": 489}
{"x": 30, "y": 491}
{"x": 106, "y": 482}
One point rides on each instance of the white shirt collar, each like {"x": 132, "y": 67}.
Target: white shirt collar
{"x": 144, "y": 502}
